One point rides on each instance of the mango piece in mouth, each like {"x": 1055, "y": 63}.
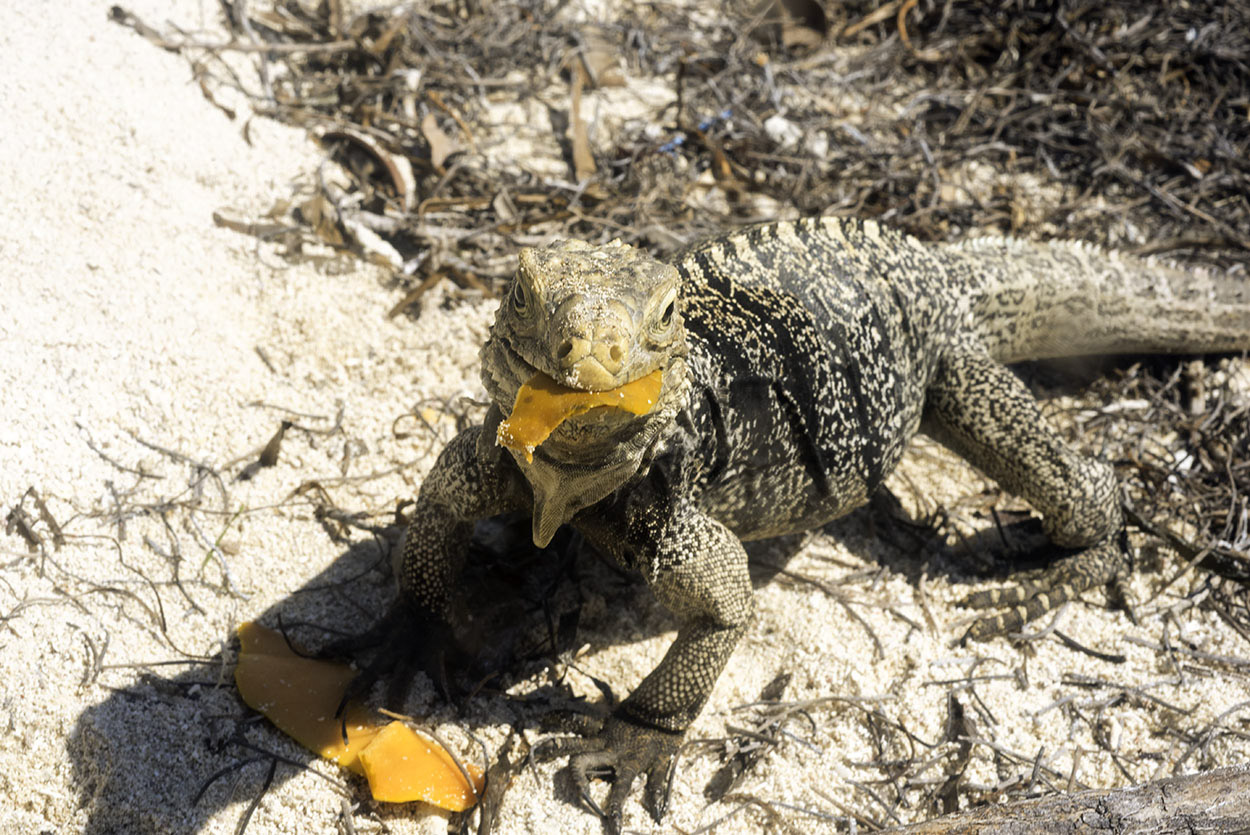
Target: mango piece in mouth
{"x": 301, "y": 695}
{"x": 542, "y": 404}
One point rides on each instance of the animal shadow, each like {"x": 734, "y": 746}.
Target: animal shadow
{"x": 522, "y": 609}
{"x": 203, "y": 750}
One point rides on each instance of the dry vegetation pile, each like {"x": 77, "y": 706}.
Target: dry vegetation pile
{"x": 937, "y": 117}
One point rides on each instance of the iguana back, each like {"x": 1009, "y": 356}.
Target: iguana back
{"x": 813, "y": 344}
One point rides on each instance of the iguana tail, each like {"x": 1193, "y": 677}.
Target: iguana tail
{"x": 1035, "y": 301}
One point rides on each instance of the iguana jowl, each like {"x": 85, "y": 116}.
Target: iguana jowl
{"x": 798, "y": 359}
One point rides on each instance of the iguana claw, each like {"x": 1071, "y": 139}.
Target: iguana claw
{"x": 1107, "y": 563}
{"x": 622, "y": 751}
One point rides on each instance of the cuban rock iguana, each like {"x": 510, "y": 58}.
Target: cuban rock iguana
{"x": 797, "y": 359}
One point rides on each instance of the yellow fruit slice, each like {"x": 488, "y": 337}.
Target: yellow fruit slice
{"x": 402, "y": 766}
{"x": 542, "y": 404}
{"x": 300, "y": 696}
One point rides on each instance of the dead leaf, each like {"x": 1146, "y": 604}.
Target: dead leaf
{"x": 583, "y": 158}
{"x": 441, "y": 145}
{"x": 805, "y": 24}
{"x": 504, "y": 210}
{"x": 373, "y": 246}
{"x": 234, "y": 221}
{"x": 393, "y": 170}
{"x": 798, "y": 24}
{"x": 601, "y": 61}
{"x": 320, "y": 214}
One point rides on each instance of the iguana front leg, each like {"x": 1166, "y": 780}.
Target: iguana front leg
{"x": 982, "y": 411}
{"x": 698, "y": 570}
{"x": 463, "y": 486}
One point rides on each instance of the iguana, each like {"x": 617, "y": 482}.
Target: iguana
{"x": 796, "y": 360}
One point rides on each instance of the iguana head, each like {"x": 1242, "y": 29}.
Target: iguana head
{"x": 592, "y": 318}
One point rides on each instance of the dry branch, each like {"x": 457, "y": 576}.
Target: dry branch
{"x": 1217, "y": 801}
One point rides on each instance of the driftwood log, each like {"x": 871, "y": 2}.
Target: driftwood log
{"x": 1215, "y": 802}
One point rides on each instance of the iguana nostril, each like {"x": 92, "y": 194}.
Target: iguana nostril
{"x": 566, "y": 348}
{"x": 615, "y": 353}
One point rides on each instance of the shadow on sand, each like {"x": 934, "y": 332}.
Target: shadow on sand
{"x": 205, "y": 750}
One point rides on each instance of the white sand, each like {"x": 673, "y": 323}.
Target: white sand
{"x": 128, "y": 317}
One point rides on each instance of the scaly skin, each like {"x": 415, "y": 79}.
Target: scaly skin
{"x": 799, "y": 359}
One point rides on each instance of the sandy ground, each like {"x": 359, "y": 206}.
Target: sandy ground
{"x": 144, "y": 352}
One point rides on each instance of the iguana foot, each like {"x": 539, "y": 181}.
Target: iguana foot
{"x": 1106, "y": 563}
{"x": 622, "y": 751}
{"x": 405, "y": 642}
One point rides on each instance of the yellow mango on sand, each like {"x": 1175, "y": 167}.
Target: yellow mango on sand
{"x": 300, "y": 696}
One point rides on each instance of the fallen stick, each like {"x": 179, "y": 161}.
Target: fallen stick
{"x": 1214, "y": 802}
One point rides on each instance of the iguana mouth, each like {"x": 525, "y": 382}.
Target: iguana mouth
{"x": 542, "y": 405}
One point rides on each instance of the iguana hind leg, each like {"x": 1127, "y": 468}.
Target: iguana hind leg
{"x": 979, "y": 409}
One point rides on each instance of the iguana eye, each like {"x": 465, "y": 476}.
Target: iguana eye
{"x": 668, "y": 310}
{"x": 520, "y": 297}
